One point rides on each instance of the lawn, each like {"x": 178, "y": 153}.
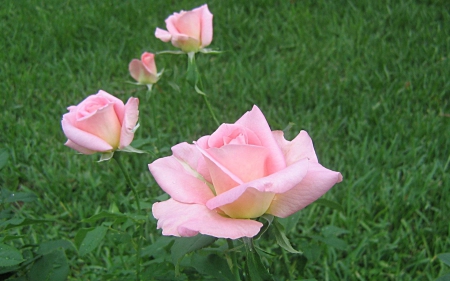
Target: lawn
{"x": 368, "y": 80}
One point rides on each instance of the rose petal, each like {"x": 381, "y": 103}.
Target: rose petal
{"x": 255, "y": 121}
{"x": 180, "y": 180}
{"x": 279, "y": 182}
{"x": 119, "y": 107}
{"x": 79, "y": 148}
{"x": 300, "y": 147}
{"x": 180, "y": 219}
{"x": 206, "y": 26}
{"x": 230, "y": 131}
{"x": 163, "y": 35}
{"x": 82, "y": 138}
{"x": 136, "y": 69}
{"x": 130, "y": 119}
{"x": 317, "y": 182}
{"x": 189, "y": 154}
{"x": 103, "y": 124}
{"x": 186, "y": 43}
{"x": 238, "y": 163}
{"x": 188, "y": 24}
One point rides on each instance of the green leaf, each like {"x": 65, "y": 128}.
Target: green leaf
{"x": 445, "y": 277}
{"x": 105, "y": 214}
{"x": 8, "y": 196}
{"x": 330, "y": 204}
{"x": 158, "y": 248}
{"x": 310, "y": 250}
{"x": 445, "y": 258}
{"x": 185, "y": 245}
{"x": 16, "y": 222}
{"x": 332, "y": 230}
{"x": 9, "y": 256}
{"x": 254, "y": 268}
{"x": 211, "y": 265}
{"x": 119, "y": 237}
{"x": 290, "y": 222}
{"x": 281, "y": 238}
{"x": 50, "y": 246}
{"x": 89, "y": 239}
{"x": 22, "y": 197}
{"x": 332, "y": 241}
{"x": 11, "y": 237}
{"x": 50, "y": 267}
{"x": 4, "y": 155}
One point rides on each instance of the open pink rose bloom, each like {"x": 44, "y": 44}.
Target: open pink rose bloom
{"x": 188, "y": 30}
{"x": 100, "y": 123}
{"x": 219, "y": 184}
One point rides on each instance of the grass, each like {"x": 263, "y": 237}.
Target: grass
{"x": 369, "y": 81}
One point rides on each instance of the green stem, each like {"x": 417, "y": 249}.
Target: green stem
{"x": 234, "y": 268}
{"x": 195, "y": 79}
{"x": 138, "y": 244}
{"x": 211, "y": 110}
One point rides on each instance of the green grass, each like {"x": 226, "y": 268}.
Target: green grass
{"x": 369, "y": 81}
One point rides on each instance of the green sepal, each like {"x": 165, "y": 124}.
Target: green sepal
{"x": 268, "y": 218}
{"x": 282, "y": 239}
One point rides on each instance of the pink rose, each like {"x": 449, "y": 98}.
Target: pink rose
{"x": 243, "y": 170}
{"x": 100, "y": 123}
{"x": 190, "y": 31}
{"x": 144, "y": 71}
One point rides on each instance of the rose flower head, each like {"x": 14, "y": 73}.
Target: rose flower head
{"x": 190, "y": 31}
{"x": 223, "y": 181}
{"x": 144, "y": 71}
{"x": 101, "y": 123}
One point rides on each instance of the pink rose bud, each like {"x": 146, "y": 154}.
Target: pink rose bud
{"x": 190, "y": 31}
{"x": 219, "y": 184}
{"x": 100, "y": 123}
{"x": 144, "y": 71}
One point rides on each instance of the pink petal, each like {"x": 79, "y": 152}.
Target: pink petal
{"x": 119, "y": 107}
{"x": 148, "y": 60}
{"x": 163, "y": 35}
{"x": 317, "y": 182}
{"x": 186, "y": 43}
{"x": 230, "y": 131}
{"x": 171, "y": 22}
{"x": 179, "y": 219}
{"x": 79, "y": 148}
{"x": 255, "y": 121}
{"x": 176, "y": 177}
{"x": 188, "y": 24}
{"x": 104, "y": 123}
{"x": 279, "y": 182}
{"x": 130, "y": 119}
{"x": 189, "y": 154}
{"x": 207, "y": 26}
{"x": 300, "y": 147}
{"x": 82, "y": 138}
{"x": 238, "y": 163}
{"x": 136, "y": 69}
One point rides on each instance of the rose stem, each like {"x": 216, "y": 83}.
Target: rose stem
{"x": 130, "y": 184}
